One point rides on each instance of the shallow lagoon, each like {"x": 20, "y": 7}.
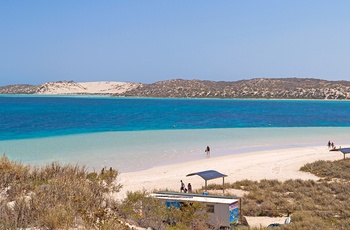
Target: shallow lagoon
{"x": 137, "y": 150}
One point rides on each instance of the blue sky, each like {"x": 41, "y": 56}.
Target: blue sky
{"x": 149, "y": 41}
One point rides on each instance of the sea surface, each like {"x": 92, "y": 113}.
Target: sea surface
{"x": 132, "y": 134}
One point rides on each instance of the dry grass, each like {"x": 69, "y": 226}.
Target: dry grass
{"x": 66, "y": 196}
{"x": 323, "y": 204}
{"x": 328, "y": 170}
{"x": 56, "y": 197}
{"x": 151, "y": 212}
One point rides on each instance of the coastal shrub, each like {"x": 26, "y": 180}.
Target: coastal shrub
{"x": 56, "y": 196}
{"x": 322, "y": 204}
{"x": 243, "y": 184}
{"x": 268, "y": 184}
{"x": 146, "y": 211}
{"x": 329, "y": 170}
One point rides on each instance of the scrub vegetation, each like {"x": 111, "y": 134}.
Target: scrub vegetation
{"x": 69, "y": 197}
{"x": 151, "y": 212}
{"x": 56, "y": 197}
{"x": 323, "y": 204}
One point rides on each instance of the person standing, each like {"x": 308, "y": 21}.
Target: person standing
{"x": 207, "y": 150}
{"x": 189, "y": 186}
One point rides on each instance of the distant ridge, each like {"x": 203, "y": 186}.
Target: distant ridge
{"x": 269, "y": 88}
{"x": 278, "y": 88}
{"x": 18, "y": 89}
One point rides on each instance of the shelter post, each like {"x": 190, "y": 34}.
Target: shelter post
{"x": 223, "y": 185}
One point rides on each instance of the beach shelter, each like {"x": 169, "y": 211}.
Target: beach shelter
{"x": 209, "y": 175}
{"x": 345, "y": 151}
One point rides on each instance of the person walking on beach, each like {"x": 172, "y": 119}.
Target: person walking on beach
{"x": 329, "y": 144}
{"x": 182, "y": 188}
{"x": 207, "y": 150}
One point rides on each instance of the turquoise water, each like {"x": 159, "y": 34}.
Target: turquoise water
{"x": 132, "y": 151}
{"x": 134, "y": 134}
{"x": 47, "y": 116}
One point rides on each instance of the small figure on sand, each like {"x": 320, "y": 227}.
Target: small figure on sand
{"x": 189, "y": 186}
{"x": 207, "y": 150}
{"x": 182, "y": 188}
{"x": 331, "y": 145}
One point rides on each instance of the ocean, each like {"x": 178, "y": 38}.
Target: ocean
{"x": 131, "y": 134}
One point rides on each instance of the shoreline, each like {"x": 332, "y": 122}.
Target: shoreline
{"x": 158, "y": 160}
{"x": 281, "y": 164}
{"x": 142, "y": 150}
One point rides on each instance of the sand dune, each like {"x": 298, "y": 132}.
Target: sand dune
{"x": 70, "y": 87}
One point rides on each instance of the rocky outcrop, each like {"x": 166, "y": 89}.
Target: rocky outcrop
{"x": 278, "y": 88}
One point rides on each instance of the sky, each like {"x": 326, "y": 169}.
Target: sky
{"x": 150, "y": 41}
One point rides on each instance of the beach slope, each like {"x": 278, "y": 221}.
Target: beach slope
{"x": 280, "y": 164}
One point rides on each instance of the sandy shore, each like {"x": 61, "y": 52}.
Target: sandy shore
{"x": 281, "y": 164}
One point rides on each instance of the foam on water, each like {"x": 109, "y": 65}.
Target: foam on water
{"x": 133, "y": 151}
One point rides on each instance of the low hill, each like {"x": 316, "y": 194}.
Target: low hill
{"x": 270, "y": 88}
{"x": 18, "y": 89}
{"x": 279, "y": 88}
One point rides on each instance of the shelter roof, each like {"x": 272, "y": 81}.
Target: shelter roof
{"x": 195, "y": 197}
{"x": 345, "y": 150}
{"x": 208, "y": 174}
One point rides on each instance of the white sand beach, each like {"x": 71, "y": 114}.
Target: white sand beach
{"x": 280, "y": 164}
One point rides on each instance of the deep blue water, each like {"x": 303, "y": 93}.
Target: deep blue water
{"x": 44, "y": 116}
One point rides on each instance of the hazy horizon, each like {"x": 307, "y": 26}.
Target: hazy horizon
{"x": 150, "y": 41}
{"x": 218, "y": 80}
